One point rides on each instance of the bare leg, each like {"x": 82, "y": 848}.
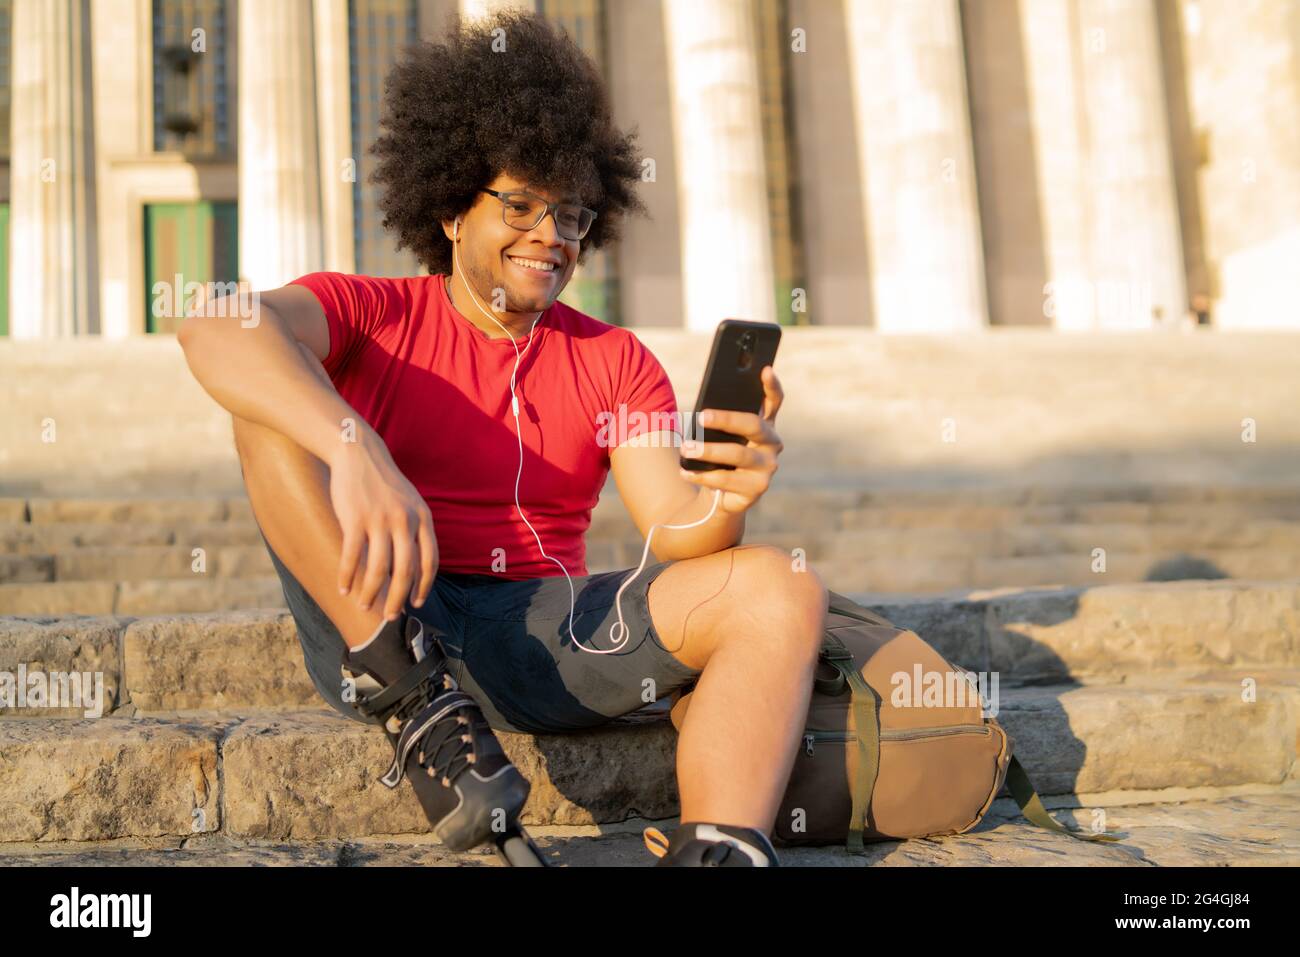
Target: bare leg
{"x": 288, "y": 488}
{"x": 754, "y": 625}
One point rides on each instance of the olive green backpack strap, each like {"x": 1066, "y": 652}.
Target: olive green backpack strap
{"x": 866, "y": 723}
{"x": 1022, "y": 789}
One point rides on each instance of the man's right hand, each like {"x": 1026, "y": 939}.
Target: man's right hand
{"x": 379, "y": 510}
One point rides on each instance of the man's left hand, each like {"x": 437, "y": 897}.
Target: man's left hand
{"x": 755, "y": 462}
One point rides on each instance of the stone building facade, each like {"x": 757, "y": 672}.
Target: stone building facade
{"x": 904, "y": 165}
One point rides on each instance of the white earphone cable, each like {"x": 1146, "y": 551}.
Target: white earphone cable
{"x": 619, "y": 627}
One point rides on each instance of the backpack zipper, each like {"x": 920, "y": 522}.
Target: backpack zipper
{"x": 905, "y": 735}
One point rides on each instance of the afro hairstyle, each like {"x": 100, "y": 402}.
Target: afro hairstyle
{"x": 459, "y": 112}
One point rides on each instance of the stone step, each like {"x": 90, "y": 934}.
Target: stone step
{"x": 1024, "y": 635}
{"x": 139, "y": 562}
{"x": 1260, "y": 827}
{"x": 25, "y": 538}
{"x": 48, "y": 523}
{"x": 145, "y": 511}
{"x": 241, "y": 576}
{"x": 312, "y": 775}
{"x": 789, "y": 506}
{"x": 149, "y": 597}
{"x": 1029, "y": 406}
{"x": 885, "y": 573}
{"x": 891, "y": 559}
{"x": 959, "y": 514}
{"x": 123, "y": 543}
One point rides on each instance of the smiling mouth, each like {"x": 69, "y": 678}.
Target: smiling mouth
{"x": 541, "y": 267}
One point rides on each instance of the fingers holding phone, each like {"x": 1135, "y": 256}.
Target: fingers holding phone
{"x": 738, "y": 403}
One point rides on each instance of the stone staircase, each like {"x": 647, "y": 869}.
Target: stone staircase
{"x": 1168, "y": 711}
{"x": 963, "y": 485}
{"x": 156, "y": 556}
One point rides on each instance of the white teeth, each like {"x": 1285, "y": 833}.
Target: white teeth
{"x": 533, "y": 264}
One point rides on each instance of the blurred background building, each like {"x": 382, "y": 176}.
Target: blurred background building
{"x": 918, "y": 166}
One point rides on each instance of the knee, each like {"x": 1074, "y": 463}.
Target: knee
{"x": 772, "y": 577}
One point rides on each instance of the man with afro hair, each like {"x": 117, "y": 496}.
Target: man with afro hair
{"x": 422, "y": 455}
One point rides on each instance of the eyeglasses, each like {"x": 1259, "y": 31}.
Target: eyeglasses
{"x": 524, "y": 211}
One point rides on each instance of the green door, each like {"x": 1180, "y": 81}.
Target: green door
{"x": 197, "y": 242}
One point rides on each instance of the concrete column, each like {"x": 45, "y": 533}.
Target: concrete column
{"x": 477, "y": 9}
{"x": 1105, "y": 171}
{"x": 830, "y": 182}
{"x": 1015, "y": 267}
{"x": 1136, "y": 248}
{"x": 1060, "y": 164}
{"x": 907, "y": 72}
{"x": 434, "y": 17}
{"x": 52, "y": 268}
{"x": 280, "y": 223}
{"x": 1242, "y": 72}
{"x": 722, "y": 195}
{"x": 649, "y": 252}
{"x": 338, "y": 165}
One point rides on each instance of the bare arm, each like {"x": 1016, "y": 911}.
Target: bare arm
{"x": 657, "y": 490}
{"x": 651, "y": 487}
{"x": 254, "y": 367}
{"x": 264, "y": 366}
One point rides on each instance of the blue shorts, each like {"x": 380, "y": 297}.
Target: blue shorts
{"x": 510, "y": 649}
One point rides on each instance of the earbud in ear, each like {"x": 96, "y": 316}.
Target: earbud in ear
{"x": 455, "y": 229}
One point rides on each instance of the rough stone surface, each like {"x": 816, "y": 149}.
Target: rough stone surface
{"x": 108, "y": 778}
{"x": 245, "y": 659}
{"x": 126, "y": 563}
{"x": 26, "y": 568}
{"x": 1153, "y": 734}
{"x": 304, "y": 776}
{"x": 161, "y": 597}
{"x": 87, "y": 646}
{"x": 215, "y": 534}
{"x": 313, "y": 775}
{"x": 1043, "y": 634}
{"x": 56, "y": 598}
{"x": 1261, "y": 829}
{"x": 244, "y": 561}
{"x": 1027, "y": 635}
{"x": 211, "y": 850}
{"x": 134, "y": 510}
{"x": 1120, "y": 628}
{"x": 888, "y": 574}
{"x": 27, "y": 538}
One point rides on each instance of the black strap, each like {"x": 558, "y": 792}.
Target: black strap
{"x": 382, "y": 701}
{"x": 833, "y": 650}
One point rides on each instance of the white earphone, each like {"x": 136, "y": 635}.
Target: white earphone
{"x": 619, "y": 626}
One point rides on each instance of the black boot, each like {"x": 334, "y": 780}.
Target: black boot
{"x": 441, "y": 742}
{"x": 698, "y": 844}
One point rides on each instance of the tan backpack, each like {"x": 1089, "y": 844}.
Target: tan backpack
{"x": 871, "y": 769}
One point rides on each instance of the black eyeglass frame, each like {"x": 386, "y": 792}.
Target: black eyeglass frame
{"x": 551, "y": 209}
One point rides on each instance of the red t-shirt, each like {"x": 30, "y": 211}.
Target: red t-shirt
{"x": 437, "y": 390}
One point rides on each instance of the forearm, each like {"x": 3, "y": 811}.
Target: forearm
{"x": 259, "y": 372}
{"x": 722, "y": 530}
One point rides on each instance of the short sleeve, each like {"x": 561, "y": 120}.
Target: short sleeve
{"x": 356, "y": 308}
{"x": 644, "y": 388}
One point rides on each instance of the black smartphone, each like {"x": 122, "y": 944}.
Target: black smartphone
{"x": 732, "y": 379}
